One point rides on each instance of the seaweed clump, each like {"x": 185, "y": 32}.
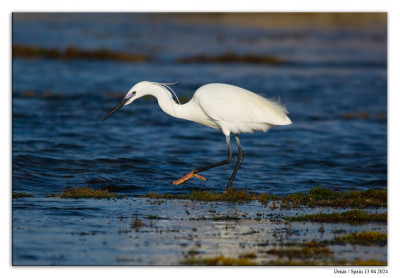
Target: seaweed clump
{"x": 86, "y": 192}
{"x": 73, "y": 53}
{"x": 351, "y": 216}
{"x": 219, "y": 260}
{"x": 319, "y": 196}
{"x": 230, "y": 57}
{"x": 366, "y": 238}
{"x": 137, "y": 224}
{"x": 22, "y": 195}
{"x": 325, "y": 197}
{"x": 233, "y": 195}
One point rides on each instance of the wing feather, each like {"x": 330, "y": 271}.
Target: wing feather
{"x": 223, "y": 102}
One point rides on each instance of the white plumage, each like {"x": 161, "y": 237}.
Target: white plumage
{"x": 238, "y": 110}
{"x": 222, "y": 106}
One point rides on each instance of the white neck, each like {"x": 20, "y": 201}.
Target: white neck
{"x": 189, "y": 111}
{"x": 166, "y": 101}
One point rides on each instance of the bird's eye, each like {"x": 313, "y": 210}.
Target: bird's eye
{"x": 131, "y": 94}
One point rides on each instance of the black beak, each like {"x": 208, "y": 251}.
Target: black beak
{"x": 116, "y": 108}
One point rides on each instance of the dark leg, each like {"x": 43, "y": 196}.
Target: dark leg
{"x": 223, "y": 162}
{"x": 194, "y": 172}
{"x": 240, "y": 159}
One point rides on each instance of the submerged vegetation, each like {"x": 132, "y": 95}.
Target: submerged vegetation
{"x": 219, "y": 260}
{"x": 366, "y": 238}
{"x": 137, "y": 224}
{"x": 22, "y": 195}
{"x": 72, "y": 53}
{"x": 230, "y": 57}
{"x": 301, "y": 253}
{"x": 332, "y": 262}
{"x": 325, "y": 197}
{"x": 290, "y": 253}
{"x": 319, "y": 196}
{"x": 86, "y": 192}
{"x": 232, "y": 195}
{"x": 278, "y": 248}
{"x": 351, "y": 216}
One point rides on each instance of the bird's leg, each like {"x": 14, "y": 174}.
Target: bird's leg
{"x": 240, "y": 159}
{"x": 195, "y": 172}
{"x": 187, "y": 177}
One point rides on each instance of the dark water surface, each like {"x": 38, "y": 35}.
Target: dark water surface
{"x": 59, "y": 139}
{"x": 333, "y": 82}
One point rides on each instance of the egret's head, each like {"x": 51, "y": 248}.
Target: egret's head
{"x": 135, "y": 92}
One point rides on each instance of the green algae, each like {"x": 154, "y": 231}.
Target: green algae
{"x": 309, "y": 254}
{"x": 248, "y": 255}
{"x": 351, "y": 216}
{"x": 322, "y": 197}
{"x": 366, "y": 238}
{"x": 219, "y": 261}
{"x": 233, "y": 195}
{"x": 281, "y": 262}
{"x": 369, "y": 262}
{"x": 318, "y": 253}
{"x": 356, "y": 262}
{"x": 86, "y": 192}
{"x": 325, "y": 197}
{"x": 22, "y": 195}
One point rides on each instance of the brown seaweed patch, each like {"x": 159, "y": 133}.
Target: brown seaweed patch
{"x": 233, "y": 195}
{"x": 296, "y": 262}
{"x": 29, "y": 94}
{"x": 248, "y": 255}
{"x": 381, "y": 116}
{"x": 72, "y": 53}
{"x": 219, "y": 260}
{"x": 315, "y": 197}
{"x": 22, "y": 195}
{"x": 359, "y": 115}
{"x": 325, "y": 197}
{"x": 49, "y": 94}
{"x": 363, "y": 115}
{"x": 230, "y": 57}
{"x": 137, "y": 224}
{"x": 86, "y": 192}
{"x": 34, "y": 94}
{"x": 366, "y": 238}
{"x": 311, "y": 253}
{"x": 351, "y": 216}
{"x": 368, "y": 262}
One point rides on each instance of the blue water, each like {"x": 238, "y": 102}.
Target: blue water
{"x": 59, "y": 140}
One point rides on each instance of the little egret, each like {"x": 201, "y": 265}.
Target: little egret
{"x": 221, "y": 106}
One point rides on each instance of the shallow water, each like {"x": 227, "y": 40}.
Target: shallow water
{"x": 333, "y": 82}
{"x": 100, "y": 232}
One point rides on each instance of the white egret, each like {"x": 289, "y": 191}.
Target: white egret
{"x": 221, "y": 106}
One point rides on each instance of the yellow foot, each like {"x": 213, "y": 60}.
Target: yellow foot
{"x": 188, "y": 177}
